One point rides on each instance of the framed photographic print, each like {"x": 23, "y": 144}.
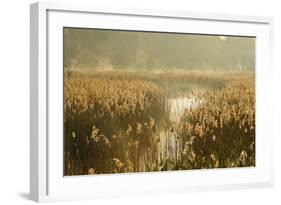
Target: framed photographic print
{"x": 147, "y": 101}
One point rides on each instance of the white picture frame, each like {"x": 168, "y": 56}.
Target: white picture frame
{"x": 46, "y": 178}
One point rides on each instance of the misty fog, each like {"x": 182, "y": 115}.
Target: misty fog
{"x": 109, "y": 49}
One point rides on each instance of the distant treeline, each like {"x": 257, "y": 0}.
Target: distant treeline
{"x": 94, "y": 48}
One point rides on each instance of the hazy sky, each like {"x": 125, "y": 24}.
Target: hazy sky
{"x": 92, "y": 49}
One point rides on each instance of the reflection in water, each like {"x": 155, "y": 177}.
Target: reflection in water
{"x": 170, "y": 144}
{"x": 178, "y": 105}
{"x": 170, "y": 147}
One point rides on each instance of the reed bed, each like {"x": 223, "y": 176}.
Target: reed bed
{"x": 220, "y": 132}
{"x": 119, "y": 121}
{"x": 109, "y": 121}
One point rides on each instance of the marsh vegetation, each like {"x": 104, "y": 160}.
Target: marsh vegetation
{"x": 131, "y": 121}
{"x": 140, "y": 101}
